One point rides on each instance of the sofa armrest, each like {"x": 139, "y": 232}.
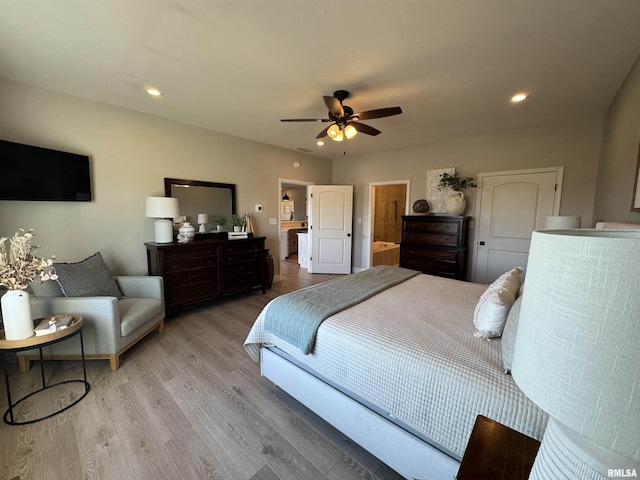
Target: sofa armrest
{"x": 141, "y": 286}
{"x": 100, "y": 314}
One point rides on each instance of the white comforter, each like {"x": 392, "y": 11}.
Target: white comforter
{"x": 410, "y": 350}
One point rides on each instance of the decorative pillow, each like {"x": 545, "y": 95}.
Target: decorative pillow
{"x": 50, "y": 288}
{"x": 492, "y": 309}
{"x": 89, "y": 278}
{"x": 509, "y": 335}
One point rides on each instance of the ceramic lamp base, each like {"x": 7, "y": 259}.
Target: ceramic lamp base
{"x": 164, "y": 231}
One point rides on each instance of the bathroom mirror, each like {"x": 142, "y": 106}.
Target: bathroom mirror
{"x": 196, "y": 197}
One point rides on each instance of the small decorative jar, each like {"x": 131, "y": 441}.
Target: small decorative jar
{"x": 188, "y": 230}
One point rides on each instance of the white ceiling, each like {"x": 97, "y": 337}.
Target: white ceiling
{"x": 239, "y": 66}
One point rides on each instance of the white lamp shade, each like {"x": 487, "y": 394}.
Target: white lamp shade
{"x": 577, "y": 352}
{"x": 203, "y": 218}
{"x": 162, "y": 207}
{"x": 561, "y": 222}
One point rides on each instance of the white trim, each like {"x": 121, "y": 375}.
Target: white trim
{"x": 366, "y": 250}
{"x": 280, "y": 182}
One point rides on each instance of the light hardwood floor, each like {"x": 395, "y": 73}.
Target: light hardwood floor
{"x": 187, "y": 404}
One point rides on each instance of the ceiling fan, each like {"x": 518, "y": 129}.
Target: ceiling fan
{"x": 345, "y": 123}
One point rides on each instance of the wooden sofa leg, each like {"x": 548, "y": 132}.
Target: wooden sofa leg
{"x": 114, "y": 360}
{"x": 161, "y": 327}
{"x": 24, "y": 363}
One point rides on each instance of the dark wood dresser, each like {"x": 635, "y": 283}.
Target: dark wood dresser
{"x": 207, "y": 269}
{"x": 435, "y": 244}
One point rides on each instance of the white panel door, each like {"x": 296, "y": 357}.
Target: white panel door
{"x": 330, "y": 225}
{"x": 511, "y": 207}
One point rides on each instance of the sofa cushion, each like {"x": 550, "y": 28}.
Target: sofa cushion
{"x": 135, "y": 312}
{"x": 89, "y": 278}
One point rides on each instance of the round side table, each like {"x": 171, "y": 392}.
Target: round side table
{"x": 39, "y": 342}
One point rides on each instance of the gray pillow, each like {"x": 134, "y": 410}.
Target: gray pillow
{"x": 50, "y": 288}
{"x": 89, "y": 278}
{"x": 509, "y": 335}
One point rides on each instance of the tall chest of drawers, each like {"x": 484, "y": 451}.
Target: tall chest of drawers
{"x": 435, "y": 244}
{"x": 207, "y": 269}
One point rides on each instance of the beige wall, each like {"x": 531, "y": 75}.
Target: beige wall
{"x": 131, "y": 153}
{"x": 619, "y": 156}
{"x": 574, "y": 144}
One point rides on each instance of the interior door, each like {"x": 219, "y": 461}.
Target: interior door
{"x": 511, "y": 206}
{"x": 330, "y": 225}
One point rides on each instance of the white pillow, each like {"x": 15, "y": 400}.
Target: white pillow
{"x": 492, "y": 309}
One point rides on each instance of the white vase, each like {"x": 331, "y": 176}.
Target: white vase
{"x": 237, "y": 228}
{"x": 16, "y": 315}
{"x": 187, "y": 229}
{"x": 456, "y": 203}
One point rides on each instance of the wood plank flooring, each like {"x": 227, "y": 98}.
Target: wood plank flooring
{"x": 185, "y": 404}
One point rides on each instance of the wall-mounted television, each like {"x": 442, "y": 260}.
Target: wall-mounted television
{"x": 41, "y": 174}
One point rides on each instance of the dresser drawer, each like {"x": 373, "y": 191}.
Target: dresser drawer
{"x": 191, "y": 293}
{"x": 431, "y": 239}
{"x": 435, "y": 267}
{"x": 183, "y": 254}
{"x": 191, "y": 276}
{"x": 190, "y": 264}
{"x": 250, "y": 256}
{"x": 441, "y": 228}
{"x": 238, "y": 246}
{"x": 241, "y": 282}
{"x": 435, "y": 254}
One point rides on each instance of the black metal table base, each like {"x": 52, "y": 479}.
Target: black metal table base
{"x": 9, "y": 417}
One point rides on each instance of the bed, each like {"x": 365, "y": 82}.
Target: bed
{"x": 400, "y": 372}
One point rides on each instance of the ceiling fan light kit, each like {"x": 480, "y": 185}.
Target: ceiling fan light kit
{"x": 345, "y": 123}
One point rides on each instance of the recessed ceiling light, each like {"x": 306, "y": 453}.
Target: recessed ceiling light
{"x": 518, "y": 97}
{"x": 154, "y": 92}
{"x": 320, "y": 143}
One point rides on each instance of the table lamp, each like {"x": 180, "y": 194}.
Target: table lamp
{"x": 577, "y": 352}
{"x": 558, "y": 222}
{"x": 203, "y": 219}
{"x": 162, "y": 209}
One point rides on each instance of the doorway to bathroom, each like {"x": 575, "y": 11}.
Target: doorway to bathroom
{"x": 389, "y": 201}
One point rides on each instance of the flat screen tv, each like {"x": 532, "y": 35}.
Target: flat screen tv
{"x": 41, "y": 174}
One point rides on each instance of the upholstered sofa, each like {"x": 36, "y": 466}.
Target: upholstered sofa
{"x": 112, "y": 322}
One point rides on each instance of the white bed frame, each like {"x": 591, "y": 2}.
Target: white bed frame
{"x": 410, "y": 456}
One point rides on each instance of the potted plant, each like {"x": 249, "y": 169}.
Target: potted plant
{"x": 220, "y": 221}
{"x": 455, "y": 202}
{"x": 19, "y": 266}
{"x": 455, "y": 183}
{"x": 237, "y": 222}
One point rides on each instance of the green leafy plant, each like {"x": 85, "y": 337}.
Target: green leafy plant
{"x": 221, "y": 220}
{"x": 237, "y": 221}
{"x": 455, "y": 183}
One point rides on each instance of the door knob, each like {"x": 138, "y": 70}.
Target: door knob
{"x": 481, "y": 243}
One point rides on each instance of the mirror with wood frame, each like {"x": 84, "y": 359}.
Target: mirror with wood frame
{"x": 195, "y": 197}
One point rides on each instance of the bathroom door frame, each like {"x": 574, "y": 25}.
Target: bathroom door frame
{"x": 287, "y": 181}
{"x": 368, "y": 251}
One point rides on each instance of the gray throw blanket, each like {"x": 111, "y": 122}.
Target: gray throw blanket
{"x": 296, "y": 316}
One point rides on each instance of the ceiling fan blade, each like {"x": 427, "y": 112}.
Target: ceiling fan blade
{"x": 379, "y": 113}
{"x": 305, "y": 120}
{"x": 334, "y": 106}
{"x": 361, "y": 127}
{"x": 323, "y": 133}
